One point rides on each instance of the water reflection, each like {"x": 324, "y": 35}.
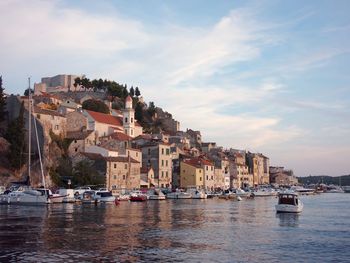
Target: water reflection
{"x": 288, "y": 219}
{"x": 170, "y": 230}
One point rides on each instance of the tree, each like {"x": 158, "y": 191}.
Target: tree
{"x": 151, "y": 108}
{"x": 137, "y": 92}
{"x": 16, "y": 137}
{"x": 85, "y": 173}
{"x": 95, "y": 105}
{"x": 114, "y": 89}
{"x": 139, "y": 112}
{"x": 132, "y": 91}
{"x": 2, "y": 102}
{"x": 77, "y": 82}
{"x": 125, "y": 92}
{"x": 26, "y": 92}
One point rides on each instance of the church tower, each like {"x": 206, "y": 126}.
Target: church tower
{"x": 129, "y": 117}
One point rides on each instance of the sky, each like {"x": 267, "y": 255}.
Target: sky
{"x": 264, "y": 76}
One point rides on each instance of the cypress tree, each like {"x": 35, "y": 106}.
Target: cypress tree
{"x": 16, "y": 137}
{"x": 2, "y": 102}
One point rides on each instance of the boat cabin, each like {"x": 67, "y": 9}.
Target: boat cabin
{"x": 288, "y": 199}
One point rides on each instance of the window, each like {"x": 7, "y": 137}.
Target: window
{"x": 137, "y": 154}
{"x": 166, "y": 174}
{"x": 38, "y": 116}
{"x": 132, "y": 120}
{"x": 126, "y": 119}
{"x": 162, "y": 174}
{"x": 162, "y": 151}
{"x": 207, "y": 177}
{"x": 212, "y": 168}
{"x": 167, "y": 151}
{"x": 56, "y": 127}
{"x": 200, "y": 179}
{"x": 114, "y": 177}
{"x": 149, "y": 151}
{"x": 123, "y": 176}
{"x": 76, "y": 149}
{"x": 206, "y": 167}
{"x": 115, "y": 166}
{"x": 212, "y": 178}
{"x": 126, "y": 166}
{"x": 131, "y": 132}
{"x": 75, "y": 141}
{"x": 166, "y": 163}
{"x": 162, "y": 162}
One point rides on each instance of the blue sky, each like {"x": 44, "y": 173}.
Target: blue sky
{"x": 266, "y": 76}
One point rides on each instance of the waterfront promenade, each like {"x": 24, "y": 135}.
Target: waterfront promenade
{"x": 209, "y": 230}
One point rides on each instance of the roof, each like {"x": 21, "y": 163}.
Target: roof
{"x": 78, "y": 135}
{"x": 144, "y": 137}
{"x": 145, "y": 169}
{"x": 70, "y": 104}
{"x": 47, "y": 112}
{"x": 197, "y": 162}
{"x": 92, "y": 156}
{"x": 105, "y": 118}
{"x": 128, "y": 98}
{"x": 120, "y": 159}
{"x": 118, "y": 136}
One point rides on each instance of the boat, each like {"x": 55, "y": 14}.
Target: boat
{"x": 346, "y": 189}
{"x": 289, "y": 202}
{"x": 178, "y": 195}
{"x": 104, "y": 196}
{"x": 138, "y": 196}
{"x": 68, "y": 195}
{"x": 240, "y": 192}
{"x": 196, "y": 193}
{"x": 25, "y": 194}
{"x": 228, "y": 195}
{"x": 156, "y": 194}
{"x": 89, "y": 198}
{"x": 303, "y": 191}
{"x": 263, "y": 192}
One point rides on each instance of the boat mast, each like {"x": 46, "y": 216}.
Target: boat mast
{"x": 29, "y": 127}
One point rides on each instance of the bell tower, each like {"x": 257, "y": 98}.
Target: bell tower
{"x": 129, "y": 117}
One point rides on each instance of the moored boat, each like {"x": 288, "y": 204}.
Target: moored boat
{"x": 156, "y": 194}
{"x": 138, "y": 196}
{"x": 178, "y": 195}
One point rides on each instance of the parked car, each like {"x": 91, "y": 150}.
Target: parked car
{"x": 80, "y": 190}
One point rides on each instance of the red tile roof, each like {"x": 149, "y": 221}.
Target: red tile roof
{"x": 119, "y": 136}
{"x": 197, "y": 162}
{"x": 120, "y": 159}
{"x": 105, "y": 118}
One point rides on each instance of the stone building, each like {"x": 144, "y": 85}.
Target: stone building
{"x": 157, "y": 155}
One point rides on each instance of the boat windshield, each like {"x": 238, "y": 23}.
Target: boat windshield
{"x": 104, "y": 194}
{"x": 286, "y": 199}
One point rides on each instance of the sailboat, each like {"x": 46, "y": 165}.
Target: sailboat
{"x": 24, "y": 194}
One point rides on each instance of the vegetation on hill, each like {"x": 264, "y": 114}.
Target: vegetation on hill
{"x": 338, "y": 180}
{"x": 2, "y": 102}
{"x": 15, "y": 135}
{"x": 95, "y": 105}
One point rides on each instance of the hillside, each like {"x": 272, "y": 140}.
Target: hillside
{"x": 343, "y": 180}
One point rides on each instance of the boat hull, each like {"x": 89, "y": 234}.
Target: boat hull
{"x": 283, "y": 208}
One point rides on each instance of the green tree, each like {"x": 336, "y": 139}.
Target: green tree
{"x": 26, "y": 92}
{"x": 114, "y": 89}
{"x": 132, "y": 91}
{"x": 84, "y": 173}
{"x": 152, "y": 108}
{"x": 95, "y": 105}
{"x": 125, "y": 92}
{"x": 137, "y": 92}
{"x": 139, "y": 112}
{"x": 2, "y": 102}
{"x": 77, "y": 82}
{"x": 16, "y": 137}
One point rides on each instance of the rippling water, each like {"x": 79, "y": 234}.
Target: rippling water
{"x": 178, "y": 230}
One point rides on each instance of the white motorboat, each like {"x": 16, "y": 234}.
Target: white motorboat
{"x": 240, "y": 192}
{"x": 197, "y": 194}
{"x": 156, "y": 194}
{"x": 178, "y": 195}
{"x": 289, "y": 202}
{"x": 68, "y": 195}
{"x": 104, "y": 196}
{"x": 262, "y": 192}
{"x": 89, "y": 198}
{"x": 303, "y": 191}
